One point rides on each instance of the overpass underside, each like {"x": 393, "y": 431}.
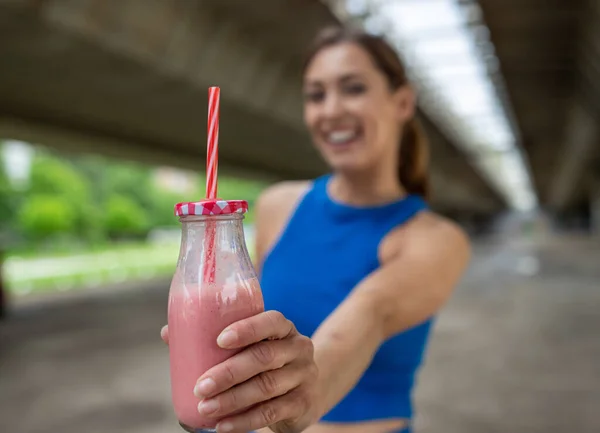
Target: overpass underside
{"x": 129, "y": 78}
{"x": 550, "y": 59}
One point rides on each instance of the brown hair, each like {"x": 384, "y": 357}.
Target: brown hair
{"x": 414, "y": 147}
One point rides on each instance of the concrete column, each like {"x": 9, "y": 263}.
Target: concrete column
{"x": 581, "y": 138}
{"x": 594, "y": 197}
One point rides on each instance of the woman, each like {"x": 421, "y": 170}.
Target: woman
{"x": 353, "y": 260}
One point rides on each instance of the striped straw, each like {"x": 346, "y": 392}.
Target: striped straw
{"x": 212, "y": 145}
{"x": 212, "y": 153}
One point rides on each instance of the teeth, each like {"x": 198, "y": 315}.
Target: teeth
{"x": 341, "y": 136}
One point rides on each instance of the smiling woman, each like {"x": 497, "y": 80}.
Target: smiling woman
{"x": 353, "y": 266}
{"x": 371, "y": 68}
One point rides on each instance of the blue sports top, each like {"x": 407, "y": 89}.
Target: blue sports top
{"x": 326, "y": 249}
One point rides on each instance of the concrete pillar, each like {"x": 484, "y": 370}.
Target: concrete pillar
{"x": 594, "y": 197}
{"x": 581, "y": 138}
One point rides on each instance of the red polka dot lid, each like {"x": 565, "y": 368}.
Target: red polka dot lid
{"x": 211, "y": 207}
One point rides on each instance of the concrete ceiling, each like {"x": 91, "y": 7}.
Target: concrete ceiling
{"x": 128, "y": 78}
{"x": 549, "y": 54}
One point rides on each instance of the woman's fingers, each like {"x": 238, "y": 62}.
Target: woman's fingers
{"x": 268, "y": 383}
{"x": 269, "y": 325}
{"x": 287, "y": 407}
{"x": 164, "y": 334}
{"x": 265, "y": 386}
{"x": 263, "y": 356}
{"x": 263, "y": 326}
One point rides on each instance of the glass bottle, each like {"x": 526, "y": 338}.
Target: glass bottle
{"x": 213, "y": 286}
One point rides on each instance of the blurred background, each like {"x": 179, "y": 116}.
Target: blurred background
{"x": 102, "y": 130}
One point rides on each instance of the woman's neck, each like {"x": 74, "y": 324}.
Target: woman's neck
{"x": 365, "y": 189}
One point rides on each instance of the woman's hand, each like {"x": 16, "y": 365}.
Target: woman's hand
{"x": 271, "y": 382}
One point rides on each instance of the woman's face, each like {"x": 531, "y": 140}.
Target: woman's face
{"x": 355, "y": 119}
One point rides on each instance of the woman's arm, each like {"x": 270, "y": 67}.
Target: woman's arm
{"x": 425, "y": 263}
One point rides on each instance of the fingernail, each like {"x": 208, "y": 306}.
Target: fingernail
{"x": 227, "y": 338}
{"x": 208, "y": 406}
{"x": 224, "y": 427}
{"x": 204, "y": 388}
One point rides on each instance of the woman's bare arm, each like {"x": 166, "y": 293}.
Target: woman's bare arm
{"x": 409, "y": 287}
{"x": 421, "y": 264}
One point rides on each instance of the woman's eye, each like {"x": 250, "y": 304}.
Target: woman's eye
{"x": 354, "y": 88}
{"x": 314, "y": 96}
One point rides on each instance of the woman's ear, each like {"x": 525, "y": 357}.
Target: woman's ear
{"x": 406, "y": 101}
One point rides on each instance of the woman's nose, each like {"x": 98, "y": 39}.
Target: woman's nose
{"x": 332, "y": 106}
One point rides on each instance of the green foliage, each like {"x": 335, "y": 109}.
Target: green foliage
{"x": 163, "y": 207}
{"x": 52, "y": 176}
{"x": 56, "y": 201}
{"x": 90, "y": 200}
{"x": 124, "y": 218}
{"x": 114, "y": 185}
{"x": 8, "y": 202}
{"x": 93, "y": 168}
{"x": 43, "y": 216}
{"x": 130, "y": 180}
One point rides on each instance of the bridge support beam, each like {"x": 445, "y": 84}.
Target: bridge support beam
{"x": 594, "y": 200}
{"x": 582, "y": 135}
{"x": 186, "y": 40}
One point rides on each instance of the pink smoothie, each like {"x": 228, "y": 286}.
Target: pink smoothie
{"x": 196, "y": 318}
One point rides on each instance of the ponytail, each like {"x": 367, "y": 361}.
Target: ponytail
{"x": 414, "y": 160}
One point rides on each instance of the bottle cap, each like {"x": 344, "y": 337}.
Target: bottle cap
{"x": 211, "y": 207}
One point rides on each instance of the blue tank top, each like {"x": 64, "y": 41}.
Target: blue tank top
{"x": 326, "y": 249}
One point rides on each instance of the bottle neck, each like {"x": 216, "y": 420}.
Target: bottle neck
{"x": 219, "y": 238}
{"x": 226, "y": 231}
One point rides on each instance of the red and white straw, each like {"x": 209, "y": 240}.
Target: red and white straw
{"x": 212, "y": 147}
{"x": 212, "y": 158}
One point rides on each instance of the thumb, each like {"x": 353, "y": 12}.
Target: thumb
{"x": 164, "y": 334}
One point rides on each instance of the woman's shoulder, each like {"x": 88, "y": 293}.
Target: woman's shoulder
{"x": 273, "y": 210}
{"x": 283, "y": 191}
{"x": 426, "y": 231}
{"x": 281, "y": 198}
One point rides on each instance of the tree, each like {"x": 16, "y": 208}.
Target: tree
{"x": 8, "y": 202}
{"x": 124, "y": 219}
{"x": 45, "y": 216}
{"x": 130, "y": 180}
{"x": 163, "y": 206}
{"x": 54, "y": 177}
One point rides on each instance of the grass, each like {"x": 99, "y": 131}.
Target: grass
{"x": 111, "y": 264}
{"x": 96, "y": 267}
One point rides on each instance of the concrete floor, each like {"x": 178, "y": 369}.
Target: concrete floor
{"x": 510, "y": 353}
